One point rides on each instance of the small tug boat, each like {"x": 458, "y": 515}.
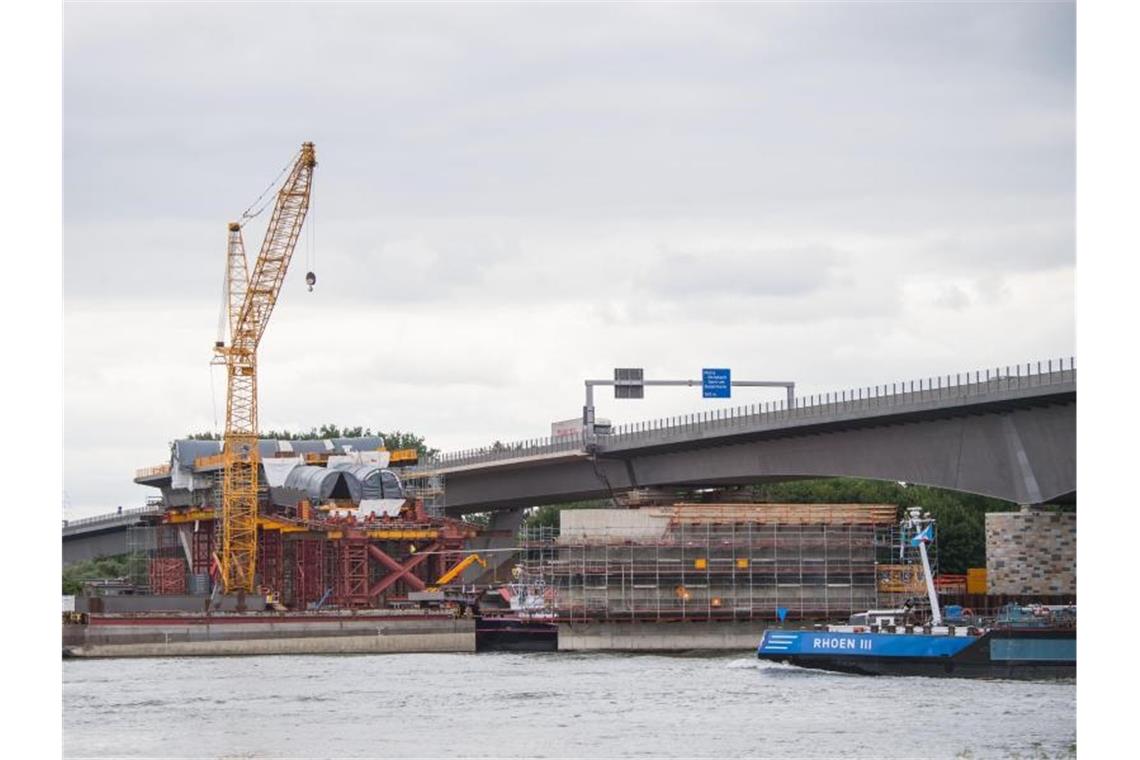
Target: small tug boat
{"x": 1036, "y": 642}
{"x": 528, "y": 625}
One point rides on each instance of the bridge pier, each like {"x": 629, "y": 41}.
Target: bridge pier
{"x": 1031, "y": 552}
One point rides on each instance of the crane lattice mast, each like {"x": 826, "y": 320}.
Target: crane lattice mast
{"x": 250, "y": 301}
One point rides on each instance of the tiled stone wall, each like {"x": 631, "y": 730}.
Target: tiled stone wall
{"x": 1031, "y": 553}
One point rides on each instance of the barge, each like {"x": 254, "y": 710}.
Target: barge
{"x": 158, "y": 634}
{"x": 1038, "y": 642}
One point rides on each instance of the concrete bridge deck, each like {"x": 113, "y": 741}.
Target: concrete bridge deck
{"x": 1009, "y": 433}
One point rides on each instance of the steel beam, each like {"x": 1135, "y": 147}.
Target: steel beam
{"x": 400, "y": 571}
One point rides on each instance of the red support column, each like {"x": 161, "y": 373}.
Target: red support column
{"x": 269, "y": 560}
{"x": 201, "y": 546}
{"x": 167, "y": 568}
{"x": 309, "y": 571}
{"x": 352, "y": 575}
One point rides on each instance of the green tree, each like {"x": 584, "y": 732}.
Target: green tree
{"x": 101, "y": 568}
{"x": 393, "y": 440}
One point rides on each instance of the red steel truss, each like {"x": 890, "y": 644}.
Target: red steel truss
{"x": 309, "y": 571}
{"x": 270, "y": 560}
{"x": 201, "y": 546}
{"x": 352, "y": 572}
{"x": 167, "y": 575}
{"x": 400, "y": 571}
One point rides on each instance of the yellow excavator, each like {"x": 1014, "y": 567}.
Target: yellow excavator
{"x": 456, "y": 571}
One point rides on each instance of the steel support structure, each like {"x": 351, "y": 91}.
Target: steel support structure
{"x": 400, "y": 571}
{"x": 308, "y": 571}
{"x": 352, "y": 572}
{"x": 167, "y": 566}
{"x": 588, "y": 409}
{"x": 271, "y": 569}
{"x": 201, "y": 547}
{"x": 167, "y": 575}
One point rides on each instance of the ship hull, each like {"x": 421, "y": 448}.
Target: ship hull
{"x": 505, "y": 634}
{"x": 1030, "y": 654}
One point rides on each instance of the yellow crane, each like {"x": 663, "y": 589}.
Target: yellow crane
{"x": 250, "y": 298}
{"x": 456, "y": 571}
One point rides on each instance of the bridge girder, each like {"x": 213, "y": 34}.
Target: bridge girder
{"x": 1024, "y": 454}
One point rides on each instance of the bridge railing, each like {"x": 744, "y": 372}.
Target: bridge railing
{"x": 113, "y": 516}
{"x": 151, "y": 472}
{"x": 500, "y": 451}
{"x": 957, "y": 386}
{"x": 950, "y": 387}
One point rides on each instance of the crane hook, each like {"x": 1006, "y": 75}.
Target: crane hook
{"x": 310, "y": 280}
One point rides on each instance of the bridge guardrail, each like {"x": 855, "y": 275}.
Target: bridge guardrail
{"x": 961, "y": 385}
{"x": 150, "y": 472}
{"x": 112, "y": 516}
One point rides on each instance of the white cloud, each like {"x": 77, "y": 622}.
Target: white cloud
{"x": 510, "y": 199}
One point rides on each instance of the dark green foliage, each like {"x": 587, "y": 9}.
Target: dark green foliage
{"x": 393, "y": 441}
{"x": 960, "y": 517}
{"x": 103, "y": 568}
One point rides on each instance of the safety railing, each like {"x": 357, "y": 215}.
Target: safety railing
{"x": 957, "y": 387}
{"x": 871, "y": 399}
{"x": 498, "y": 451}
{"x": 210, "y": 461}
{"x": 153, "y": 472}
{"x": 112, "y": 517}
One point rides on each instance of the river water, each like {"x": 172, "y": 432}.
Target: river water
{"x": 546, "y": 705}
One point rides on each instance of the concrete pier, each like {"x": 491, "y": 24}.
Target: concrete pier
{"x": 660, "y": 637}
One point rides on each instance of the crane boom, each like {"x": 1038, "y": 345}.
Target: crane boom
{"x": 237, "y": 277}
{"x": 276, "y": 250}
{"x": 257, "y": 297}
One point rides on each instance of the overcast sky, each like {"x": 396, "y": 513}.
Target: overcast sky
{"x": 510, "y": 199}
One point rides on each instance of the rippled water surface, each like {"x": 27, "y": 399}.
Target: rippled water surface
{"x": 546, "y": 705}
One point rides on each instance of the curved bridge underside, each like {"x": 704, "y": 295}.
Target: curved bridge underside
{"x": 1021, "y": 450}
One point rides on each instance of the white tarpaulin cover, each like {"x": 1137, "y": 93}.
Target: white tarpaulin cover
{"x": 277, "y": 469}
{"x": 373, "y": 458}
{"x": 389, "y": 507}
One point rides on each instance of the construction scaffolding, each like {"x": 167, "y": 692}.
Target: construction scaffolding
{"x": 721, "y": 562}
{"x": 140, "y": 548}
{"x": 156, "y": 559}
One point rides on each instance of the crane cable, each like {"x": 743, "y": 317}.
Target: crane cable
{"x": 311, "y": 243}
{"x": 213, "y": 397}
{"x": 246, "y": 215}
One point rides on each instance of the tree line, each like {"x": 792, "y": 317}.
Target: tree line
{"x": 393, "y": 440}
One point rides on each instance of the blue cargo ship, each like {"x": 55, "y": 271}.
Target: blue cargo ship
{"x": 1035, "y": 642}
{"x": 1001, "y": 651}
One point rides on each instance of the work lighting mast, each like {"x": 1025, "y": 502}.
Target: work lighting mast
{"x": 250, "y": 301}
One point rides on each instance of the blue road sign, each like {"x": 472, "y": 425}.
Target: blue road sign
{"x": 782, "y": 613}
{"x": 716, "y": 383}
